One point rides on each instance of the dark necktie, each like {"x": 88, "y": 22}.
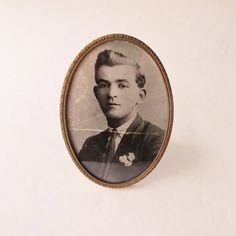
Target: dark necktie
{"x": 109, "y": 155}
{"x": 111, "y": 145}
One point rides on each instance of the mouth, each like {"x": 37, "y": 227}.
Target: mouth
{"x": 113, "y": 104}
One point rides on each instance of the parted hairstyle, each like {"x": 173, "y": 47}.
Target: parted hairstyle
{"x": 111, "y": 58}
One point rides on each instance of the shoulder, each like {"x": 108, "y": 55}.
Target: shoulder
{"x": 93, "y": 146}
{"x": 153, "y": 135}
{"x": 94, "y": 139}
{"x": 153, "y": 129}
{"x": 150, "y": 139}
{"x": 147, "y": 128}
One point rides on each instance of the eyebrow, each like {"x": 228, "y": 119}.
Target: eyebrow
{"x": 122, "y": 80}
{"x": 101, "y": 80}
{"x": 107, "y": 81}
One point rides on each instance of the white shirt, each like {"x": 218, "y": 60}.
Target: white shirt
{"x": 121, "y": 131}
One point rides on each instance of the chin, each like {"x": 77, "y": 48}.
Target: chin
{"x": 112, "y": 116}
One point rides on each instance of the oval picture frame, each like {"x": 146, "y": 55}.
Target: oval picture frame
{"x": 116, "y": 110}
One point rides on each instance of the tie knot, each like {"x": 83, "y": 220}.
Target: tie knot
{"x": 111, "y": 139}
{"x": 113, "y": 133}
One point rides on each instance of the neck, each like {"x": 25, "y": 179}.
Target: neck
{"x": 115, "y": 123}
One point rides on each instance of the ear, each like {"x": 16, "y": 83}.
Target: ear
{"x": 142, "y": 95}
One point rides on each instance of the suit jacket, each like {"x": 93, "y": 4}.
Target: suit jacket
{"x": 142, "y": 138}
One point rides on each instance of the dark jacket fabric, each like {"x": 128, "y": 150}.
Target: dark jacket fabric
{"x": 142, "y": 138}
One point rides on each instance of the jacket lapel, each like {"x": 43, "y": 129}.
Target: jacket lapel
{"x": 127, "y": 143}
{"x": 99, "y": 149}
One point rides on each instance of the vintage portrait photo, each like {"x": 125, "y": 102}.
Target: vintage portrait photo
{"x": 117, "y": 114}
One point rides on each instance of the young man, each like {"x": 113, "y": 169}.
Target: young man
{"x": 128, "y": 140}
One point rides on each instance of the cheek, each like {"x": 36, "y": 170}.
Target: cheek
{"x": 130, "y": 97}
{"x": 101, "y": 94}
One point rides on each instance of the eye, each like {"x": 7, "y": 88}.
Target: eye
{"x": 102, "y": 84}
{"x": 123, "y": 85}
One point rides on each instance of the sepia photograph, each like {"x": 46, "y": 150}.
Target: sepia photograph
{"x": 118, "y": 118}
{"x": 117, "y": 110}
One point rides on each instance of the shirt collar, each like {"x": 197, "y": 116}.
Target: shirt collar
{"x": 123, "y": 128}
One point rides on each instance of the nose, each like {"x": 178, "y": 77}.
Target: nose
{"x": 113, "y": 90}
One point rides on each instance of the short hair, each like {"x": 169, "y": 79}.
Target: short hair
{"x": 112, "y": 58}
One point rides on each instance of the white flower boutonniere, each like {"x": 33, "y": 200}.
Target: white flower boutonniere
{"x": 127, "y": 160}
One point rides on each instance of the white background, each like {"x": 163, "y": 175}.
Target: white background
{"x": 192, "y": 190}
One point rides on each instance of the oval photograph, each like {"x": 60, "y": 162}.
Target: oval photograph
{"x": 116, "y": 110}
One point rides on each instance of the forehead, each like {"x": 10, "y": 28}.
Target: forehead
{"x": 118, "y": 72}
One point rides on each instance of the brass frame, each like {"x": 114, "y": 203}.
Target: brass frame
{"x": 66, "y": 85}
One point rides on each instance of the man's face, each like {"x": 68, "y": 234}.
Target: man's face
{"x": 117, "y": 91}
